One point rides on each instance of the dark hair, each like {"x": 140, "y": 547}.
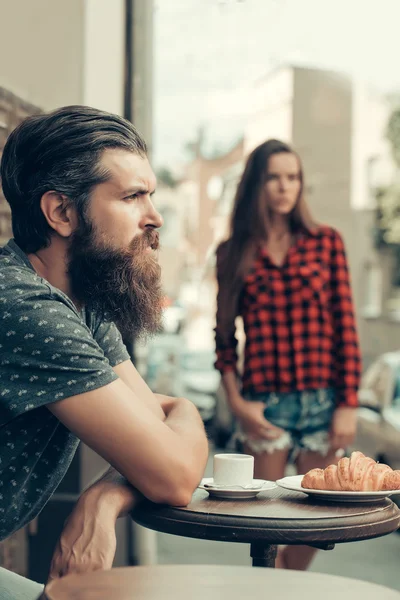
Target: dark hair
{"x": 58, "y": 151}
{"x": 249, "y": 225}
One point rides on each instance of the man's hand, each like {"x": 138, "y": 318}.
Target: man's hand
{"x": 167, "y": 403}
{"x": 170, "y": 403}
{"x": 343, "y": 427}
{"x": 253, "y": 422}
{"x": 88, "y": 541}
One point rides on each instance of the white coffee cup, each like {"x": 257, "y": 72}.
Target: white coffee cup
{"x": 233, "y": 469}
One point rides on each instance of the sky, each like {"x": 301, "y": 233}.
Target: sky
{"x": 209, "y": 53}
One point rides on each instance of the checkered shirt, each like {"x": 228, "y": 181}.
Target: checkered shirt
{"x": 298, "y": 320}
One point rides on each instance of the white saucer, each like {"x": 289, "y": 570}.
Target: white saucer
{"x": 294, "y": 483}
{"x": 236, "y": 493}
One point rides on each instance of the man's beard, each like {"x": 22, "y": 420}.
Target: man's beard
{"x": 123, "y": 286}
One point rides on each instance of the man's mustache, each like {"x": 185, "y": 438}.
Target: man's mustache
{"x": 150, "y": 237}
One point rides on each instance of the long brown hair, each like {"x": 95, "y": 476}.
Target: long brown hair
{"x": 249, "y": 226}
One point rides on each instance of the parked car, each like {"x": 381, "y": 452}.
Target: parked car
{"x": 378, "y": 431}
{"x": 173, "y": 319}
{"x": 199, "y": 381}
{"x": 223, "y": 425}
{"x": 198, "y": 371}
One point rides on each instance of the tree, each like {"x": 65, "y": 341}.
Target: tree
{"x": 388, "y": 199}
{"x": 194, "y": 147}
{"x": 166, "y": 177}
{"x": 393, "y": 134}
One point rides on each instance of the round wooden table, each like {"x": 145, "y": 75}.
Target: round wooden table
{"x": 183, "y": 582}
{"x": 274, "y": 517}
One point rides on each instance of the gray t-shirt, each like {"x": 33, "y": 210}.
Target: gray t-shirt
{"x": 48, "y": 351}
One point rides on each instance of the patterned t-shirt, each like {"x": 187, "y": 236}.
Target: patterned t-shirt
{"x": 48, "y": 351}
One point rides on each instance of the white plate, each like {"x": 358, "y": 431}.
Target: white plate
{"x": 294, "y": 483}
{"x": 260, "y": 485}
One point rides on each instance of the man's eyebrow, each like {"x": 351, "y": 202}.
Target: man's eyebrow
{"x": 137, "y": 189}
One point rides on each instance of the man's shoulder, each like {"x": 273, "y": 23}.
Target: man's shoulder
{"x": 19, "y": 283}
{"x": 24, "y": 294}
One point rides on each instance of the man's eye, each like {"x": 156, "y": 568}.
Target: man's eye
{"x": 132, "y": 197}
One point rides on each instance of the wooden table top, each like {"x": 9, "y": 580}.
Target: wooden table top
{"x": 197, "y": 582}
{"x": 277, "y": 516}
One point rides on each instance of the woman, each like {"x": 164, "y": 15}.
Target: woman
{"x": 287, "y": 277}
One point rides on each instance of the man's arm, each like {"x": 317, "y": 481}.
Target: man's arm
{"x": 147, "y": 444}
{"x": 130, "y": 376}
{"x": 164, "y": 460}
{"x": 88, "y": 541}
{"x": 111, "y": 489}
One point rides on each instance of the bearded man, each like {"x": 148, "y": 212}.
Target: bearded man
{"x": 81, "y": 268}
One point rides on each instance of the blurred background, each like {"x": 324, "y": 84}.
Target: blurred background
{"x": 205, "y": 81}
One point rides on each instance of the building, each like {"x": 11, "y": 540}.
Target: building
{"x": 206, "y": 174}
{"x": 204, "y": 184}
{"x": 173, "y": 255}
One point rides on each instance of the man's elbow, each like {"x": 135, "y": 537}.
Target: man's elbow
{"x": 178, "y": 489}
{"x": 173, "y": 495}
{"x": 178, "y": 497}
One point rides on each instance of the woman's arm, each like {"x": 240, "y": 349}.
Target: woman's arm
{"x": 225, "y": 333}
{"x": 250, "y": 414}
{"x": 232, "y": 389}
{"x": 347, "y": 351}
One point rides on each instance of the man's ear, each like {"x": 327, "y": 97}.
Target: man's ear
{"x": 59, "y": 213}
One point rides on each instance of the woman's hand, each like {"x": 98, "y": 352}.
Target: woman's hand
{"x": 254, "y": 424}
{"x": 343, "y": 427}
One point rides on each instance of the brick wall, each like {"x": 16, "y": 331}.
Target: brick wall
{"x": 12, "y": 111}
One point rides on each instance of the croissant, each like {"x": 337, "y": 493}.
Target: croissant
{"x": 355, "y": 474}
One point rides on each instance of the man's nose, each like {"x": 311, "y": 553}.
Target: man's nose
{"x": 153, "y": 217}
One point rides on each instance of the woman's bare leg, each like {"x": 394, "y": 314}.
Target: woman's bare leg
{"x": 300, "y": 557}
{"x": 313, "y": 460}
{"x": 270, "y": 466}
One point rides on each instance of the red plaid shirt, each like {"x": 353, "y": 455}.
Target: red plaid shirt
{"x": 299, "y": 322}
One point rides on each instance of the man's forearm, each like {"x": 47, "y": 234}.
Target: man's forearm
{"x": 113, "y": 491}
{"x": 88, "y": 540}
{"x": 113, "y": 494}
{"x": 127, "y": 372}
{"x": 184, "y": 419}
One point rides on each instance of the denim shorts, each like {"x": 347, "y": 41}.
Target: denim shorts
{"x": 305, "y": 417}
